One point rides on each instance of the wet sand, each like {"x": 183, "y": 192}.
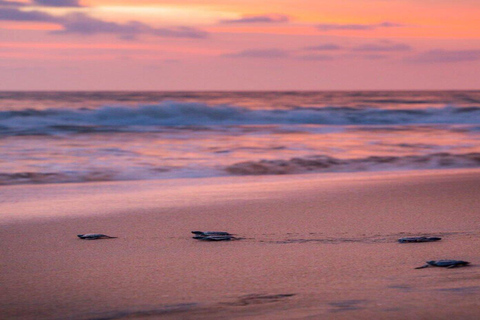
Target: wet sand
{"x": 315, "y": 247}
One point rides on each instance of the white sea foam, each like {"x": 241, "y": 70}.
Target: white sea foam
{"x": 373, "y": 163}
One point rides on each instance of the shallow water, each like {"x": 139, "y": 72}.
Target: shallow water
{"x": 100, "y": 136}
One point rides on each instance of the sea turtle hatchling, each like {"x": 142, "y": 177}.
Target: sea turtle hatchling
{"x": 94, "y": 236}
{"x": 211, "y": 233}
{"x": 213, "y": 236}
{"x": 418, "y": 239}
{"x": 445, "y": 264}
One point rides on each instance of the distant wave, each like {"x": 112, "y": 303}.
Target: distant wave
{"x": 173, "y": 113}
{"x": 373, "y": 163}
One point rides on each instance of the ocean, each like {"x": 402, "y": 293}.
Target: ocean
{"x": 53, "y": 137}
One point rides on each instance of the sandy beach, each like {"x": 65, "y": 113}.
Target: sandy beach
{"x": 318, "y": 246}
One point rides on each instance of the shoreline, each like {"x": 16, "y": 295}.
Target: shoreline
{"x": 118, "y": 197}
{"x": 316, "y": 247}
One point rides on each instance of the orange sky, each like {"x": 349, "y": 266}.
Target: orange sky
{"x": 239, "y": 45}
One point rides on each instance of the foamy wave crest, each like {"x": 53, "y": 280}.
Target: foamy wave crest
{"x": 47, "y": 177}
{"x": 172, "y": 113}
{"x": 374, "y": 163}
{"x": 313, "y": 164}
{"x": 60, "y": 177}
{"x": 94, "y": 175}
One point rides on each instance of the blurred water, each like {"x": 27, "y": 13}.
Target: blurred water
{"x": 97, "y": 136}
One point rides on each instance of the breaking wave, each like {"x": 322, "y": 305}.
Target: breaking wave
{"x": 373, "y": 163}
{"x": 146, "y": 118}
{"x": 93, "y": 175}
{"x": 312, "y": 164}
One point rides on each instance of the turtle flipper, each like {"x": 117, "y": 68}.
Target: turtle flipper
{"x": 424, "y": 266}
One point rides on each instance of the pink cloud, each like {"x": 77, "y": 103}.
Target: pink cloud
{"x": 58, "y": 3}
{"x": 325, "y": 47}
{"x": 259, "y": 53}
{"x": 81, "y": 23}
{"x": 356, "y": 27}
{"x": 384, "y": 46}
{"x": 268, "y": 18}
{"x": 446, "y": 56}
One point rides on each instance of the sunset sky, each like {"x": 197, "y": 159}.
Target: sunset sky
{"x": 239, "y": 44}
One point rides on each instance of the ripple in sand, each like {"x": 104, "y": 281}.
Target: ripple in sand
{"x": 402, "y": 287}
{"x": 347, "y": 305}
{"x": 143, "y": 313}
{"x": 292, "y": 238}
{"x": 461, "y": 290}
{"x": 258, "y": 299}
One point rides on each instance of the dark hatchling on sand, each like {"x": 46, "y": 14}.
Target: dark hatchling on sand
{"x": 94, "y": 236}
{"x": 213, "y": 236}
{"x": 445, "y": 264}
{"x": 418, "y": 239}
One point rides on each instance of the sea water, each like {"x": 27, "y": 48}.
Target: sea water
{"x": 49, "y": 137}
